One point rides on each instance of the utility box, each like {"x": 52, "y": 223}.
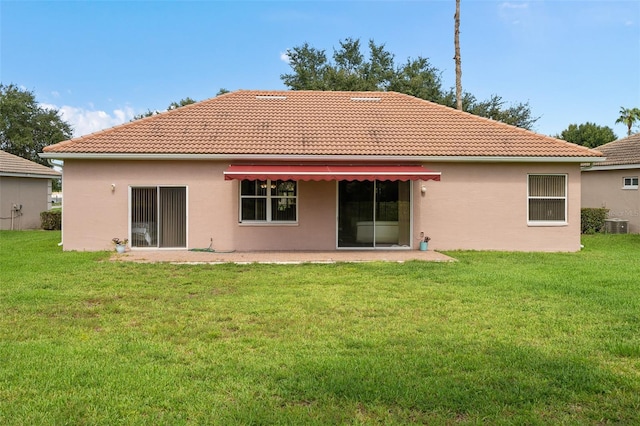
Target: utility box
{"x": 616, "y": 226}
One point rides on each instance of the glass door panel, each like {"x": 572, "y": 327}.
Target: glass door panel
{"x": 374, "y": 214}
{"x": 355, "y": 214}
{"x": 392, "y": 214}
{"x": 159, "y": 217}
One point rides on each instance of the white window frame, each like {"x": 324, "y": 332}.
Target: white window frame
{"x": 268, "y": 197}
{"x": 631, "y": 184}
{"x": 564, "y": 222}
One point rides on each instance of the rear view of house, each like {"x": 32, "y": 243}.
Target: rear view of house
{"x": 307, "y": 170}
{"x": 613, "y": 184}
{"x": 25, "y": 192}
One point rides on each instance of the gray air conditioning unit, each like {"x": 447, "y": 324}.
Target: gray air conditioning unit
{"x": 616, "y": 226}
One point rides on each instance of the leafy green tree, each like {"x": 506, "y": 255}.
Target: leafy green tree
{"x": 26, "y": 127}
{"x": 588, "y": 134}
{"x": 172, "y": 105}
{"x": 309, "y": 68}
{"x": 183, "y": 102}
{"x": 628, "y": 116}
{"x": 418, "y": 78}
{"x": 350, "y": 70}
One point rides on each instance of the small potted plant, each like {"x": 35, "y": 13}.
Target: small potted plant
{"x": 424, "y": 243}
{"x": 121, "y": 245}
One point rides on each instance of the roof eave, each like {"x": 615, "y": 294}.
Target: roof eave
{"x": 611, "y": 167}
{"x": 31, "y": 175}
{"x": 305, "y": 157}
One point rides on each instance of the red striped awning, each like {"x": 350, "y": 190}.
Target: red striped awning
{"x": 314, "y": 172}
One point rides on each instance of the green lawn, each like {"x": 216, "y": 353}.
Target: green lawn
{"x": 495, "y": 338}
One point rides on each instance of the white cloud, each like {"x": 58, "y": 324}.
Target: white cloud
{"x": 513, "y": 12}
{"x": 284, "y": 57}
{"x": 86, "y": 121}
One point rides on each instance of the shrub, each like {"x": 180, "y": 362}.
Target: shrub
{"x": 592, "y": 219}
{"x": 51, "y": 220}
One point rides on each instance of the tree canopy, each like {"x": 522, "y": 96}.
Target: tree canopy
{"x": 172, "y": 105}
{"x": 26, "y": 127}
{"x": 629, "y": 116}
{"x": 588, "y": 134}
{"x": 350, "y": 70}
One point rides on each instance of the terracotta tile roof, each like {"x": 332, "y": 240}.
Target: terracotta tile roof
{"x": 12, "y": 164}
{"x": 320, "y": 123}
{"x": 620, "y": 152}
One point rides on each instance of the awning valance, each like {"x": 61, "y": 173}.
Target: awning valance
{"x": 315, "y": 172}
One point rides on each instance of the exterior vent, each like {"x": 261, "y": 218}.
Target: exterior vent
{"x": 281, "y": 98}
{"x": 616, "y": 226}
{"x": 366, "y": 99}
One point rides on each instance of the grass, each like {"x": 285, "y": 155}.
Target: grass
{"x": 495, "y": 338}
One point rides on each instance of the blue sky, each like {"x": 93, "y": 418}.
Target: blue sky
{"x": 101, "y": 62}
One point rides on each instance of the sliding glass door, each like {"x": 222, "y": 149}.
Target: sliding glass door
{"x": 159, "y": 217}
{"x": 374, "y": 214}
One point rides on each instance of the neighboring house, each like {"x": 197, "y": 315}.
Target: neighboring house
{"x": 25, "y": 192}
{"x": 309, "y": 170}
{"x": 614, "y": 183}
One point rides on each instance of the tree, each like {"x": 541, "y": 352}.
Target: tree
{"x": 628, "y": 116}
{"x": 588, "y": 134}
{"x": 350, "y": 70}
{"x": 183, "y": 102}
{"x": 456, "y": 57}
{"x": 26, "y": 127}
{"x": 418, "y": 78}
{"x": 494, "y": 108}
{"x": 172, "y": 105}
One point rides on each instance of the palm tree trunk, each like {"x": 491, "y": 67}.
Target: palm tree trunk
{"x": 457, "y": 57}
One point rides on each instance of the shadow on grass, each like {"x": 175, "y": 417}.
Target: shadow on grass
{"x": 458, "y": 381}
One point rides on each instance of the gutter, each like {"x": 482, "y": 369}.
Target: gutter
{"x": 304, "y": 157}
{"x": 30, "y": 175}
{"x": 595, "y": 168}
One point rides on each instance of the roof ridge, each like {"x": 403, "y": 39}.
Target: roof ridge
{"x": 319, "y": 123}
{"x": 501, "y": 123}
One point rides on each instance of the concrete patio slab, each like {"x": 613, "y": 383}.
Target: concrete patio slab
{"x": 278, "y": 257}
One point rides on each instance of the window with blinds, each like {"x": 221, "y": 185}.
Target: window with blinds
{"x": 159, "y": 217}
{"x": 547, "y": 197}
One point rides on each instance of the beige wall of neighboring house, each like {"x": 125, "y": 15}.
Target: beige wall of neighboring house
{"x": 604, "y": 188}
{"x": 30, "y": 197}
{"x": 474, "y": 206}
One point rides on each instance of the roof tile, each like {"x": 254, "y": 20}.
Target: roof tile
{"x": 13, "y": 164}
{"x": 621, "y": 151}
{"x": 320, "y": 123}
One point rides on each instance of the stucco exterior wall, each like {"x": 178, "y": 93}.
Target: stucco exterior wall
{"x": 93, "y": 213}
{"x": 483, "y": 206}
{"x": 31, "y": 193}
{"x": 603, "y": 188}
{"x": 475, "y": 206}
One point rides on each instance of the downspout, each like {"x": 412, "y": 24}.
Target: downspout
{"x": 53, "y": 164}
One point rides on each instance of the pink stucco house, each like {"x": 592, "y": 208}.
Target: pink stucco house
{"x": 308, "y": 170}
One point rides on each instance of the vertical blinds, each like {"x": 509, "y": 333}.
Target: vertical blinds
{"x": 159, "y": 217}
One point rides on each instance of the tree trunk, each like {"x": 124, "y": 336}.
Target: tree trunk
{"x": 457, "y": 57}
